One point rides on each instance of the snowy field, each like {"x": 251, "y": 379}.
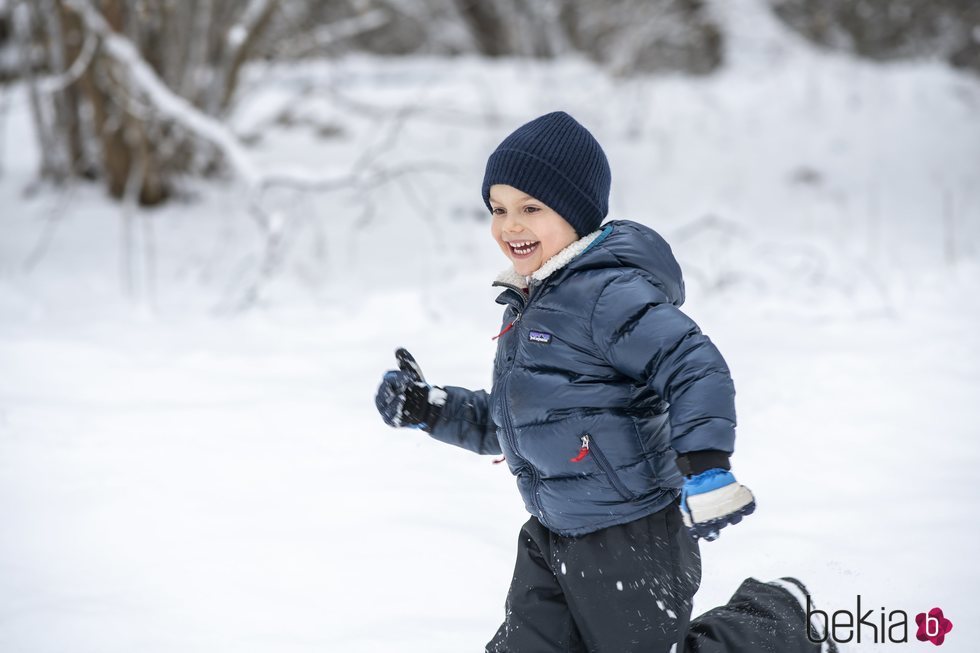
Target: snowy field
{"x": 190, "y": 457}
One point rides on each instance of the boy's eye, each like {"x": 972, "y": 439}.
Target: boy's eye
{"x": 527, "y": 209}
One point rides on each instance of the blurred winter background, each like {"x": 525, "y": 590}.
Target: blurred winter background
{"x": 218, "y": 219}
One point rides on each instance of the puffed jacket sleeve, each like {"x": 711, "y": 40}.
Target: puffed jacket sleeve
{"x": 643, "y": 336}
{"x": 465, "y": 421}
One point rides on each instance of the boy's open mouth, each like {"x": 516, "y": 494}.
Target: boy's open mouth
{"x": 523, "y": 249}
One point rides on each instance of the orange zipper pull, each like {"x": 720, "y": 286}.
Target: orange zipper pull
{"x": 584, "y": 451}
{"x": 508, "y": 327}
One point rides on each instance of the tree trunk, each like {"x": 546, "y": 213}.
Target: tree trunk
{"x": 93, "y": 119}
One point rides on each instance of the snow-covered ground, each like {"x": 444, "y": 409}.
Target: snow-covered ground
{"x": 179, "y": 474}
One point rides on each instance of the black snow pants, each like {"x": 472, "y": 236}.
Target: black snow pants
{"x": 629, "y": 588}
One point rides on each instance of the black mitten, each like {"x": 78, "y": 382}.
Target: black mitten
{"x": 405, "y": 399}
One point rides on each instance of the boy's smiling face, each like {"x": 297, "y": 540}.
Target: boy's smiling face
{"x": 519, "y": 219}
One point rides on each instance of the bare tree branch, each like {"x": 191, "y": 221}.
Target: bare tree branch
{"x": 237, "y": 41}
{"x": 193, "y": 119}
{"x": 22, "y": 34}
{"x": 166, "y": 101}
{"x": 332, "y": 33}
{"x": 74, "y": 72}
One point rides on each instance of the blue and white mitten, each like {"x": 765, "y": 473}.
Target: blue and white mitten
{"x": 714, "y": 499}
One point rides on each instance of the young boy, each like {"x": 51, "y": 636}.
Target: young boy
{"x": 612, "y": 409}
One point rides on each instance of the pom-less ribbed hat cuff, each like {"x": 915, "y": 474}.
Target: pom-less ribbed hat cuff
{"x": 541, "y": 180}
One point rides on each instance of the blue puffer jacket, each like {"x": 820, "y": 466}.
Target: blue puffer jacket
{"x": 599, "y": 383}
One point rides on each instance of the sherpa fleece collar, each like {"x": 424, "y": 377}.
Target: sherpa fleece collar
{"x": 552, "y": 265}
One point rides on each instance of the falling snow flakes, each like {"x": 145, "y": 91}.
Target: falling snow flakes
{"x": 563, "y": 570}
{"x": 619, "y": 585}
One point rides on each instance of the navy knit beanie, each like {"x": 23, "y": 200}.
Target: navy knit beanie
{"x": 557, "y": 161}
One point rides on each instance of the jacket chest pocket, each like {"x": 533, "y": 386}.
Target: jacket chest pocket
{"x": 589, "y": 448}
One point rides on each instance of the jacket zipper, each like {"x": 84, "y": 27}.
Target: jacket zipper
{"x": 589, "y": 444}
{"x": 509, "y": 430}
{"x": 509, "y": 426}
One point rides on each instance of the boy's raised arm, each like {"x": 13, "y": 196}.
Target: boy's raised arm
{"x": 451, "y": 414}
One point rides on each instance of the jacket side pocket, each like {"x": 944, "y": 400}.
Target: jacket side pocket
{"x": 608, "y": 469}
